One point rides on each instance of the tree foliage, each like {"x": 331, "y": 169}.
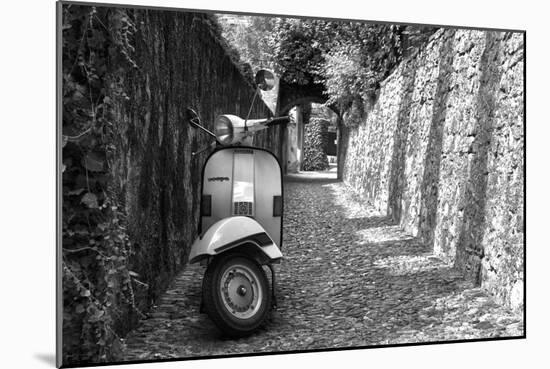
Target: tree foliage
{"x": 364, "y": 56}
{"x": 248, "y": 38}
{"x": 350, "y": 59}
{"x": 298, "y": 47}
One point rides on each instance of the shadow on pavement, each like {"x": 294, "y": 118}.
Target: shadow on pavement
{"x": 312, "y": 176}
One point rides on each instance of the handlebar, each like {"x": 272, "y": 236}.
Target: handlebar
{"x": 278, "y": 120}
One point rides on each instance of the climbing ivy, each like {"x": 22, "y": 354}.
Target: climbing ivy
{"x": 97, "y": 279}
{"x": 315, "y": 143}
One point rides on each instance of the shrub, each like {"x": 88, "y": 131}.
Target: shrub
{"x": 315, "y": 142}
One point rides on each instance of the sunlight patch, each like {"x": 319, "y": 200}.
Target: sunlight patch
{"x": 383, "y": 234}
{"x": 406, "y": 264}
{"x": 353, "y": 208}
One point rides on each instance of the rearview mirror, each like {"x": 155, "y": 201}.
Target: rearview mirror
{"x": 265, "y": 80}
{"x": 192, "y": 118}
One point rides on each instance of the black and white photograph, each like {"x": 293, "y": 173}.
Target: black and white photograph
{"x": 274, "y": 184}
{"x": 240, "y": 184}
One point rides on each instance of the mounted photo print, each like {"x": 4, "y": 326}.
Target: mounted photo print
{"x": 240, "y": 184}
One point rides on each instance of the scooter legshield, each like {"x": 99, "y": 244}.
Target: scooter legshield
{"x": 232, "y": 232}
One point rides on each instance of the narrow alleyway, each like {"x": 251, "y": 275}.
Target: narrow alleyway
{"x": 349, "y": 278}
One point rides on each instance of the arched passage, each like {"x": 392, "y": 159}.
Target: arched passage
{"x": 294, "y": 96}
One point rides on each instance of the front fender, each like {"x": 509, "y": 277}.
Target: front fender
{"x": 231, "y": 232}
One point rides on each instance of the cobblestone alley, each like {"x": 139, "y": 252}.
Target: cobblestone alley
{"x": 349, "y": 278}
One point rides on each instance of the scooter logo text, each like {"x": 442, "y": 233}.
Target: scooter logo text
{"x": 220, "y": 179}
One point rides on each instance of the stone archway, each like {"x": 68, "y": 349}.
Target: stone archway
{"x": 294, "y": 95}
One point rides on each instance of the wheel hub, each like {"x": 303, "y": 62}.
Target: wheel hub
{"x": 240, "y": 292}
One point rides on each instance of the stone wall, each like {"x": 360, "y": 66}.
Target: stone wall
{"x": 503, "y": 235}
{"x": 373, "y": 139}
{"x": 441, "y": 153}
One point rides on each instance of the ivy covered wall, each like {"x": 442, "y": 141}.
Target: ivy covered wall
{"x": 315, "y": 144}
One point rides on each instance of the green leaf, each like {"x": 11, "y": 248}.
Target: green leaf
{"x": 90, "y": 200}
{"x": 80, "y": 309}
{"x": 85, "y": 293}
{"x": 93, "y": 162}
{"x": 76, "y": 192}
{"x": 96, "y": 316}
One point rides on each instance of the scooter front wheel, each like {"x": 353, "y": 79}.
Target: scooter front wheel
{"x": 236, "y": 294}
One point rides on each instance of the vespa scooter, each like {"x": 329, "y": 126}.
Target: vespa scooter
{"x": 241, "y": 221}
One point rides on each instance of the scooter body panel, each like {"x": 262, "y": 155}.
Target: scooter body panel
{"x": 243, "y": 181}
{"x": 241, "y": 203}
{"x": 232, "y": 232}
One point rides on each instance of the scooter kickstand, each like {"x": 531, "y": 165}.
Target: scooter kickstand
{"x": 273, "y": 297}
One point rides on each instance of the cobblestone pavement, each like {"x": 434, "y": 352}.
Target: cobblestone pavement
{"x": 349, "y": 278}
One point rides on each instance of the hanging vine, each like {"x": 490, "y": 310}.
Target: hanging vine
{"x": 98, "y": 282}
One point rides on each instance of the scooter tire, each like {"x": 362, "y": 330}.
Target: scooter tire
{"x": 235, "y": 315}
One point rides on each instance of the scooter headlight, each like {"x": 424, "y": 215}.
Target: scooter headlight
{"x": 223, "y": 129}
